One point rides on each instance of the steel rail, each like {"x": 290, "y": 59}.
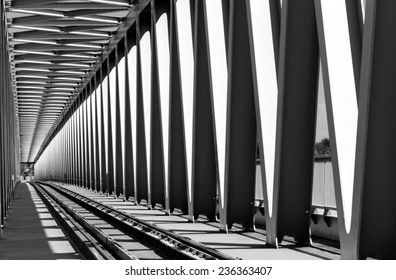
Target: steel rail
{"x": 112, "y": 246}
{"x": 182, "y": 247}
{"x": 82, "y": 239}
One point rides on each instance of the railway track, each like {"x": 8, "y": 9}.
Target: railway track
{"x": 102, "y": 232}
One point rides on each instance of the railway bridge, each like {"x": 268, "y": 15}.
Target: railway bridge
{"x": 185, "y": 129}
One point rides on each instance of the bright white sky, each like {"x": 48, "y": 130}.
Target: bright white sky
{"x": 321, "y": 121}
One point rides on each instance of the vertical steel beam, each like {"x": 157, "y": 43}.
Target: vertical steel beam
{"x": 67, "y": 171}
{"x": 297, "y": 83}
{"x": 62, "y": 151}
{"x": 146, "y": 65}
{"x": 75, "y": 144}
{"x": 79, "y": 141}
{"x": 129, "y": 168}
{"x": 2, "y": 122}
{"x": 6, "y": 169}
{"x": 103, "y": 179}
{"x": 120, "y": 187}
{"x": 133, "y": 99}
{"x": 6, "y": 142}
{"x": 110, "y": 160}
{"x": 86, "y": 134}
{"x": 181, "y": 108}
{"x": 59, "y": 155}
{"x": 2, "y": 117}
{"x": 82, "y": 140}
{"x": 98, "y": 185}
{"x": 93, "y": 136}
{"x": 239, "y": 184}
{"x": 156, "y": 155}
{"x": 60, "y": 135}
{"x": 72, "y": 146}
{"x": 142, "y": 154}
{"x": 68, "y": 164}
{"x": 71, "y": 151}
{"x": 87, "y": 140}
{"x": 65, "y": 149}
{"x": 159, "y": 105}
{"x": 83, "y": 131}
{"x": 374, "y": 191}
{"x": 204, "y": 176}
{"x": 2, "y": 86}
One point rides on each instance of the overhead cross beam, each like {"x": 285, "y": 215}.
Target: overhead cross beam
{"x": 53, "y": 45}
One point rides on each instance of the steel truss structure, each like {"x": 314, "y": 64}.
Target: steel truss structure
{"x": 171, "y": 106}
{"x": 9, "y": 127}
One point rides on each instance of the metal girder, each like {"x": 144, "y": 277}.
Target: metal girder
{"x": 53, "y": 66}
{"x": 66, "y": 5}
{"x": 55, "y": 48}
{"x": 54, "y": 97}
{"x": 65, "y": 23}
{"x": 118, "y": 163}
{"x": 180, "y": 115}
{"x": 129, "y": 153}
{"x": 204, "y": 186}
{"x": 62, "y": 35}
{"x": 37, "y": 34}
{"x": 110, "y": 182}
{"x": 34, "y": 20}
{"x": 96, "y": 28}
{"x": 374, "y": 193}
{"x": 84, "y": 130}
{"x": 97, "y": 11}
{"x": 156, "y": 145}
{"x": 63, "y": 90}
{"x": 47, "y": 103}
{"x": 54, "y": 58}
{"x": 95, "y": 127}
{"x": 81, "y": 41}
{"x": 92, "y": 178}
{"x": 298, "y": 82}
{"x": 47, "y": 74}
{"x": 35, "y": 2}
{"x": 102, "y": 149}
{"x": 48, "y": 100}
{"x": 46, "y": 15}
{"x": 241, "y": 124}
{"x": 142, "y": 190}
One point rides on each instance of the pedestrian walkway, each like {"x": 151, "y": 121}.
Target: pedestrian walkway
{"x": 31, "y": 233}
